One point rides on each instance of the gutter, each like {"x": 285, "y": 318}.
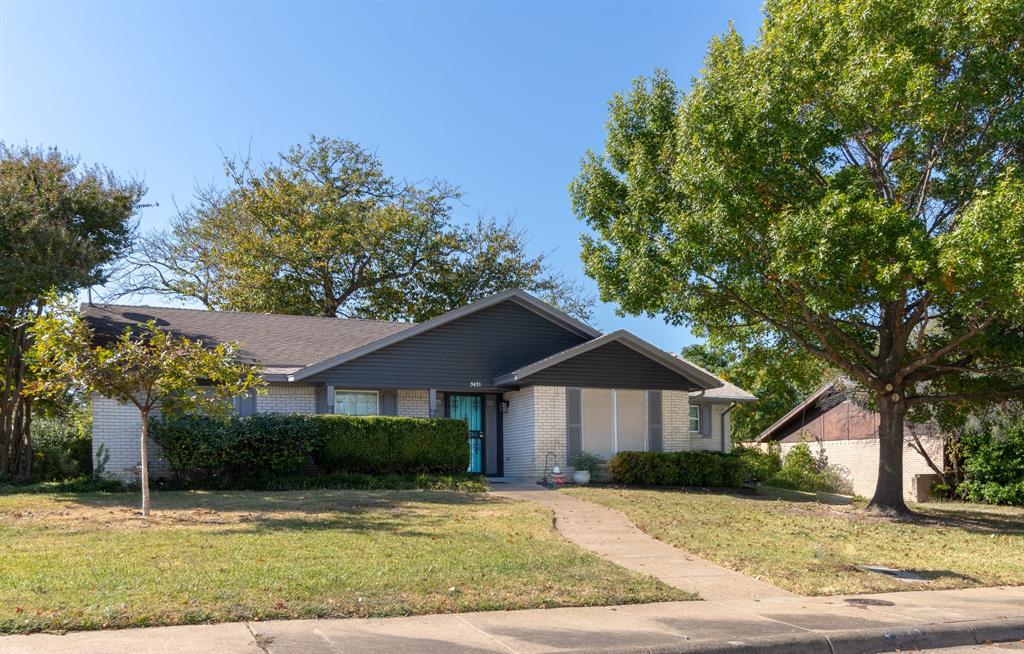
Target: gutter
{"x": 732, "y": 405}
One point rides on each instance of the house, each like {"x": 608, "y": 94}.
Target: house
{"x": 535, "y": 385}
{"x": 832, "y": 422}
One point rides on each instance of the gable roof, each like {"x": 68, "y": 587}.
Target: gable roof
{"x": 283, "y": 344}
{"x": 797, "y": 410}
{"x": 514, "y": 295}
{"x": 292, "y": 348}
{"x": 700, "y": 377}
{"x": 727, "y": 392}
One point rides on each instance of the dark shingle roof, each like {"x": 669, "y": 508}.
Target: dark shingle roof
{"x": 281, "y": 343}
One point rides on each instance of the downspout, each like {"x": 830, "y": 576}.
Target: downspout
{"x": 732, "y": 406}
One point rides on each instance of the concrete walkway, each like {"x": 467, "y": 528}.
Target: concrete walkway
{"x": 611, "y": 535}
{"x": 791, "y": 625}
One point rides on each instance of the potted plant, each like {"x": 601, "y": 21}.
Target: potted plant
{"x": 584, "y": 466}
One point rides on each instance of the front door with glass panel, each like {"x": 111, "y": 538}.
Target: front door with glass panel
{"x": 471, "y": 409}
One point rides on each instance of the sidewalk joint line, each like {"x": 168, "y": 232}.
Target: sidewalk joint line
{"x": 494, "y": 638}
{"x": 259, "y": 640}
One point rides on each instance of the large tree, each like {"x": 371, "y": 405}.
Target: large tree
{"x": 324, "y": 230}
{"x": 60, "y": 225}
{"x": 851, "y": 182}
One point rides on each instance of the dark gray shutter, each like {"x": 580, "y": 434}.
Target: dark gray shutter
{"x": 321, "y": 399}
{"x": 705, "y": 420}
{"x": 573, "y": 423}
{"x": 654, "y": 421}
{"x": 388, "y": 403}
{"x": 247, "y": 404}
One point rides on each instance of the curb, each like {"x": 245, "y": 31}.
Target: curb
{"x": 861, "y": 641}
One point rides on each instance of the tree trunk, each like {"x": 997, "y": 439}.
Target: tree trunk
{"x": 15, "y": 407}
{"x": 889, "y": 489}
{"x": 144, "y": 464}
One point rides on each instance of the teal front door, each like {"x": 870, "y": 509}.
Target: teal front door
{"x": 471, "y": 409}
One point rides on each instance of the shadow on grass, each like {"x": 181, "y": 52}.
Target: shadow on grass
{"x": 400, "y": 513}
{"x": 951, "y": 515}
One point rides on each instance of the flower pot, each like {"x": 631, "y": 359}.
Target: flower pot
{"x": 581, "y": 477}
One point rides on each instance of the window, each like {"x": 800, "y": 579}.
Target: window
{"x": 694, "y": 419}
{"x": 355, "y": 403}
{"x": 612, "y": 421}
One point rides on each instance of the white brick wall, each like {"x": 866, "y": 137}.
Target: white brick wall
{"x": 548, "y": 428}
{"x": 859, "y": 458}
{"x": 118, "y": 428}
{"x": 517, "y": 432}
{"x": 413, "y": 403}
{"x": 287, "y": 398}
{"x": 675, "y": 425}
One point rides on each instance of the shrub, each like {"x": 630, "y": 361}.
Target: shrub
{"x": 74, "y": 485}
{"x": 387, "y": 444}
{"x": 994, "y": 462}
{"x": 362, "y": 481}
{"x": 61, "y": 445}
{"x": 246, "y": 452}
{"x": 224, "y": 451}
{"x": 802, "y": 471}
{"x": 696, "y": 468}
{"x": 759, "y": 465}
{"x": 588, "y": 462}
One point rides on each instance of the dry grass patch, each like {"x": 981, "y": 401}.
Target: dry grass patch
{"x": 90, "y": 561}
{"x": 814, "y": 548}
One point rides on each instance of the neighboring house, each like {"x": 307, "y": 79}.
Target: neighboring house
{"x": 535, "y": 385}
{"x": 831, "y": 422}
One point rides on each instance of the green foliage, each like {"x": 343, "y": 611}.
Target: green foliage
{"x": 325, "y": 231}
{"x": 60, "y": 225}
{"x": 271, "y": 451}
{"x": 850, "y": 183}
{"x": 587, "y": 461}
{"x": 145, "y": 366}
{"x": 82, "y": 484}
{"x": 779, "y": 376}
{"x": 224, "y": 452}
{"x": 759, "y": 466}
{"x": 385, "y": 444}
{"x": 62, "y": 445}
{"x": 362, "y": 481}
{"x": 802, "y": 471}
{"x": 696, "y": 468}
{"x": 994, "y": 462}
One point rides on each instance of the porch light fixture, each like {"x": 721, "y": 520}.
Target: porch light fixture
{"x": 504, "y": 406}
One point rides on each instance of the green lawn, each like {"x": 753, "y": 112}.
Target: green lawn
{"x": 89, "y": 561}
{"x": 813, "y": 548}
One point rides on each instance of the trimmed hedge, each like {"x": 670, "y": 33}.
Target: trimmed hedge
{"x": 695, "y": 468}
{"x": 386, "y": 444}
{"x": 226, "y": 450}
{"x": 247, "y": 452}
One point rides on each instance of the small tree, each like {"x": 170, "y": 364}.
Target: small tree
{"x": 144, "y": 366}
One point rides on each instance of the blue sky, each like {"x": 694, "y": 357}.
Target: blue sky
{"x": 500, "y": 98}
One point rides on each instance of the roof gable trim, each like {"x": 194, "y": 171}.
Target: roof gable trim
{"x": 514, "y": 295}
{"x": 697, "y": 375}
{"x": 811, "y": 399}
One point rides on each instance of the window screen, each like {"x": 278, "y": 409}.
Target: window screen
{"x": 629, "y": 420}
{"x": 355, "y": 403}
{"x": 694, "y": 419}
{"x": 598, "y": 436}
